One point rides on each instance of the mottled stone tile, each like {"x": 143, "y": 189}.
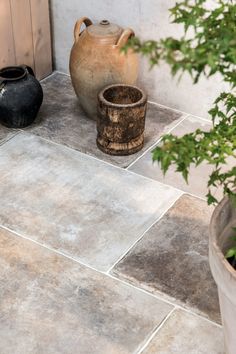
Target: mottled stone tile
{"x": 198, "y": 177}
{"x": 184, "y": 333}
{"x": 63, "y": 121}
{"x": 6, "y": 134}
{"x": 74, "y": 203}
{"x": 172, "y": 257}
{"x": 50, "y": 304}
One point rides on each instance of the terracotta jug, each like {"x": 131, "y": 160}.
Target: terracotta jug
{"x": 96, "y": 61}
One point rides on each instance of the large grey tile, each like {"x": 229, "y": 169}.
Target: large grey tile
{"x": 72, "y": 202}
{"x": 184, "y": 333}
{"x": 6, "y": 134}
{"x": 198, "y": 177}
{"x": 172, "y": 257}
{"x": 62, "y": 120}
{"x": 50, "y": 305}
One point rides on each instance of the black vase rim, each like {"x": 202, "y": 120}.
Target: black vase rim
{"x": 12, "y": 73}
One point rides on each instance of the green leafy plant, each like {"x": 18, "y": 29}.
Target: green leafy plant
{"x": 208, "y": 47}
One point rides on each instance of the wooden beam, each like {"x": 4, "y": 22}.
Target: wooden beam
{"x": 7, "y": 52}
{"x": 22, "y": 32}
{"x": 41, "y": 37}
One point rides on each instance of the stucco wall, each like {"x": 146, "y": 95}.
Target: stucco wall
{"x": 150, "y": 20}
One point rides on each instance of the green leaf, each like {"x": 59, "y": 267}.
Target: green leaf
{"x": 231, "y": 253}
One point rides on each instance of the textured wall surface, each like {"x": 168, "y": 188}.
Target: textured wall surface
{"x": 150, "y": 20}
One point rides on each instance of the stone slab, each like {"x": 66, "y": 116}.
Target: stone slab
{"x": 74, "y": 203}
{"x": 6, "y": 134}
{"x": 51, "y": 304}
{"x": 198, "y": 177}
{"x": 184, "y": 333}
{"x": 172, "y": 257}
{"x": 62, "y": 120}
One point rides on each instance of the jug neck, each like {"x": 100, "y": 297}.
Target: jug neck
{"x": 104, "y": 32}
{"x": 12, "y": 73}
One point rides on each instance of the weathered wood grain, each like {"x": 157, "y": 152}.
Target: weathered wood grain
{"x": 25, "y": 35}
{"x": 41, "y": 37}
{"x": 7, "y": 52}
{"x": 22, "y": 29}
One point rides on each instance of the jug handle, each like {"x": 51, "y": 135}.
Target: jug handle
{"x": 125, "y": 36}
{"x": 78, "y": 25}
{"x": 28, "y": 69}
{"x": 2, "y": 80}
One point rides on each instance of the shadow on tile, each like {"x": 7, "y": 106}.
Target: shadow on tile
{"x": 172, "y": 257}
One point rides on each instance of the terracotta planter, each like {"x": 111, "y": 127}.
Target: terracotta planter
{"x": 121, "y": 119}
{"x": 223, "y": 219}
{"x": 96, "y": 61}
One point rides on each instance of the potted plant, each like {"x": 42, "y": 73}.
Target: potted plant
{"x": 209, "y": 49}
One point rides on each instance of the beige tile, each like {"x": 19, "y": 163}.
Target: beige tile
{"x": 184, "y": 333}
{"x": 198, "y": 177}
{"x": 50, "y": 305}
{"x": 74, "y": 203}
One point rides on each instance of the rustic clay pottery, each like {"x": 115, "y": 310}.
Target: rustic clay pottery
{"x": 121, "y": 119}
{"x": 21, "y": 96}
{"x": 97, "y": 61}
{"x": 222, "y": 222}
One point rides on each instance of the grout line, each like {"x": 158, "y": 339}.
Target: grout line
{"x": 62, "y": 146}
{"x": 50, "y": 248}
{"x": 109, "y": 164}
{"x": 198, "y": 315}
{"x": 48, "y": 77}
{"x": 149, "y": 101}
{"x": 156, "y": 330}
{"x": 133, "y": 245}
{"x": 158, "y": 296}
{"x": 166, "y": 298}
{"x": 178, "y": 111}
{"x": 156, "y": 143}
{"x": 107, "y": 272}
{"x": 167, "y": 185}
{"x": 10, "y": 137}
{"x": 72, "y": 149}
{"x": 17, "y": 234}
{"x": 61, "y": 72}
{"x": 97, "y": 159}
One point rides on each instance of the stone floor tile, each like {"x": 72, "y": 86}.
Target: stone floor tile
{"x": 198, "y": 177}
{"x": 184, "y": 333}
{"x": 50, "y": 305}
{"x": 172, "y": 257}
{"x": 6, "y": 134}
{"x": 62, "y": 120}
{"x": 74, "y": 203}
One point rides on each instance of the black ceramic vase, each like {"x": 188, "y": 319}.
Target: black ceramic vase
{"x": 21, "y": 96}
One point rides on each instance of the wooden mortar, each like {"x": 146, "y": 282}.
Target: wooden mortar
{"x": 121, "y": 119}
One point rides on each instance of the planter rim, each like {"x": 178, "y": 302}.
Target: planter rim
{"x": 12, "y": 68}
{"x": 213, "y": 237}
{"x": 142, "y": 100}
